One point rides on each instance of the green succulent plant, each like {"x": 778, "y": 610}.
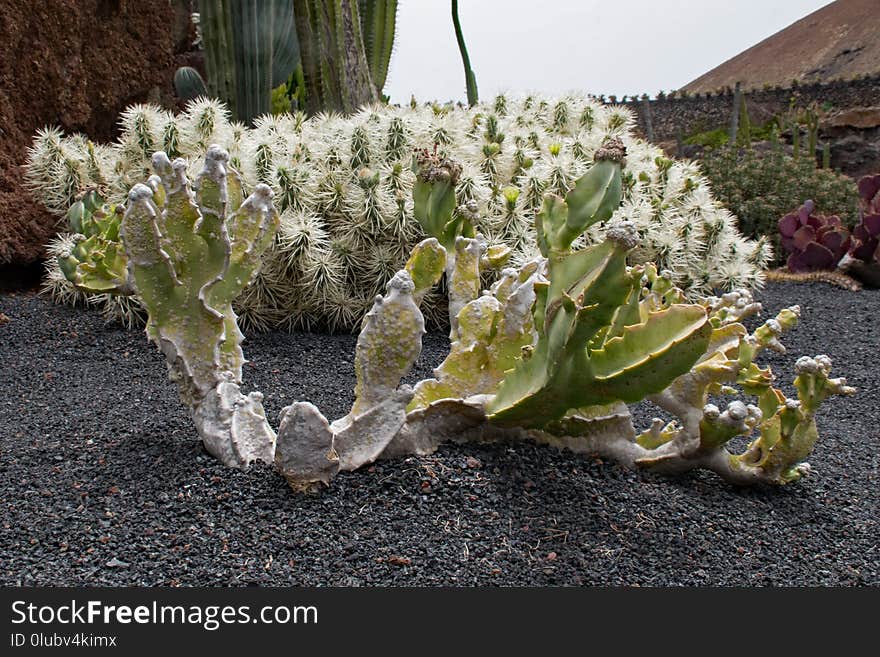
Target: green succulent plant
{"x": 93, "y": 259}
{"x": 552, "y": 351}
{"x": 191, "y": 249}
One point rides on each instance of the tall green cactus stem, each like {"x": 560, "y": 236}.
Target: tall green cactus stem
{"x": 251, "y": 47}
{"x": 470, "y": 78}
{"x": 190, "y": 253}
{"x": 744, "y": 137}
{"x": 812, "y": 132}
{"x": 334, "y": 60}
{"x": 733, "y": 129}
{"x": 378, "y": 22}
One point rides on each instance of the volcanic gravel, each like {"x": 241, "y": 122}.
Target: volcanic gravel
{"x": 104, "y": 481}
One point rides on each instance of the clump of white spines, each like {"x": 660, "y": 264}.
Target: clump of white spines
{"x": 343, "y": 186}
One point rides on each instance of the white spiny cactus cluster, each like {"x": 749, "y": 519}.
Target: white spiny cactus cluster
{"x": 344, "y": 190}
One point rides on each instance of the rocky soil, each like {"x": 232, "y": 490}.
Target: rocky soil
{"x": 103, "y": 482}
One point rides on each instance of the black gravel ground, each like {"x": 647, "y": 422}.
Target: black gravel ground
{"x": 104, "y": 482}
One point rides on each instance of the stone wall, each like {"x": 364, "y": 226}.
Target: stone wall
{"x": 705, "y": 112}
{"x": 76, "y": 64}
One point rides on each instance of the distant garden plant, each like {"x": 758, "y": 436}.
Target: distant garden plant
{"x": 344, "y": 191}
{"x": 814, "y": 242}
{"x": 817, "y": 243}
{"x": 760, "y": 187}
{"x": 552, "y": 351}
{"x": 866, "y": 234}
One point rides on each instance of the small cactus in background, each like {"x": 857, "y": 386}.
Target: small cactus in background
{"x": 188, "y": 84}
{"x": 94, "y": 261}
{"x": 814, "y": 242}
{"x": 344, "y": 188}
{"x": 89, "y": 265}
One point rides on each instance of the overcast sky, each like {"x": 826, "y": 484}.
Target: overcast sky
{"x": 598, "y": 46}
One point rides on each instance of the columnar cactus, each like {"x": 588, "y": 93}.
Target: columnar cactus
{"x": 250, "y": 48}
{"x": 191, "y": 250}
{"x": 378, "y": 24}
{"x": 344, "y": 188}
{"x": 345, "y": 47}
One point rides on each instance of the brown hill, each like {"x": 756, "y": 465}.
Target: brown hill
{"x": 837, "y": 41}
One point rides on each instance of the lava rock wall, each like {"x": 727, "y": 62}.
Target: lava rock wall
{"x": 77, "y": 64}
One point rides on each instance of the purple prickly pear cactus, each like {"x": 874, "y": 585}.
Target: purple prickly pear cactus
{"x": 813, "y": 241}
{"x": 866, "y": 236}
{"x": 869, "y": 191}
